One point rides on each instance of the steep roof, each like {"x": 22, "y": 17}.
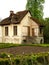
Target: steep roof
{"x": 37, "y": 21}
{"x": 14, "y": 18}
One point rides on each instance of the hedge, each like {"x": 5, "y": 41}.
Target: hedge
{"x": 33, "y": 59}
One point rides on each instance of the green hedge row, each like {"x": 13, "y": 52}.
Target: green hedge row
{"x": 33, "y": 59}
{"x": 4, "y": 61}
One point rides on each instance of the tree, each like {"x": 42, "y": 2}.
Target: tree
{"x": 36, "y": 8}
{"x": 46, "y": 30}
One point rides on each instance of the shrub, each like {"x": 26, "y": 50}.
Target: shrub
{"x": 5, "y": 55}
{"x": 33, "y": 59}
{"x": 4, "y": 62}
{"x": 17, "y": 61}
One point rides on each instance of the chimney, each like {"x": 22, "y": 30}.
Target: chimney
{"x": 11, "y": 13}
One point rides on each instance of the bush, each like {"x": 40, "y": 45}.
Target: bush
{"x": 5, "y": 55}
{"x": 33, "y": 59}
{"x": 17, "y": 61}
{"x": 4, "y": 62}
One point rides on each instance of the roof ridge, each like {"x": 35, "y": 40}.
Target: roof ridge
{"x": 15, "y": 19}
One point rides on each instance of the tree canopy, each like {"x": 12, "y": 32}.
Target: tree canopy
{"x": 46, "y": 30}
{"x": 36, "y": 8}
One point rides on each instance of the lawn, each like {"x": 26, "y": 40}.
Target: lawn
{"x": 7, "y": 45}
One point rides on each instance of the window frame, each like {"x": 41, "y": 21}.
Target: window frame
{"x": 6, "y": 31}
{"x": 15, "y": 30}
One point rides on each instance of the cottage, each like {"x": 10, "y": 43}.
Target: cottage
{"x": 21, "y": 28}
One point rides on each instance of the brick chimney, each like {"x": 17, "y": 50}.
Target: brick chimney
{"x": 11, "y": 13}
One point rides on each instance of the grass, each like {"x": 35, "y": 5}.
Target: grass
{"x": 7, "y": 45}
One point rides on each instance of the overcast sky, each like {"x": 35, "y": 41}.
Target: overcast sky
{"x": 18, "y": 5}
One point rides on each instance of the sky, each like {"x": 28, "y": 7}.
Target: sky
{"x": 18, "y": 5}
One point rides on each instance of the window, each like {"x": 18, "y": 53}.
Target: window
{"x": 28, "y": 31}
{"x": 15, "y": 30}
{"x": 33, "y": 34}
{"x": 6, "y": 31}
{"x": 40, "y": 30}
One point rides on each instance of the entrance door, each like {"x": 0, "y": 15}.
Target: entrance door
{"x": 33, "y": 32}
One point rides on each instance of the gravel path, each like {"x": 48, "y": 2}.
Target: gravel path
{"x": 25, "y": 50}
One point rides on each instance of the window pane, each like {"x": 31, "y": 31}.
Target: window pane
{"x": 15, "y": 30}
{"x": 6, "y": 31}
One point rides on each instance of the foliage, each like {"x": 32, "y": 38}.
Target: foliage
{"x": 36, "y": 8}
{"x": 17, "y": 61}
{"x": 4, "y": 62}
{"x": 33, "y": 59}
{"x": 5, "y": 55}
{"x": 9, "y": 45}
{"x": 46, "y": 30}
